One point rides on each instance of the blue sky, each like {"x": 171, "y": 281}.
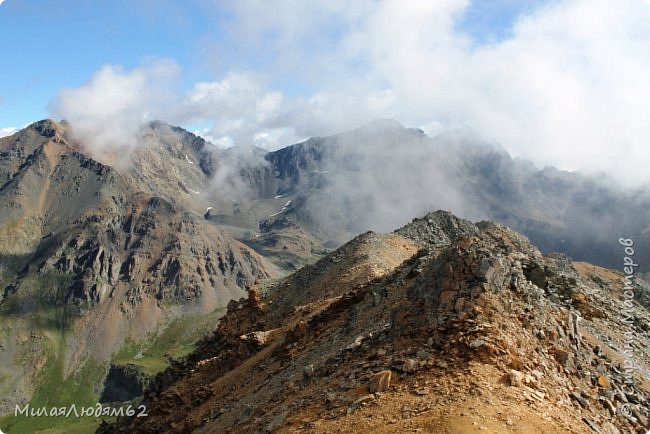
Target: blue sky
{"x": 561, "y": 82}
{"x": 52, "y": 45}
{"x": 49, "y": 46}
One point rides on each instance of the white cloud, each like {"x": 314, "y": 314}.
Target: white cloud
{"x": 107, "y": 111}
{"x": 7, "y": 131}
{"x": 239, "y": 106}
{"x": 569, "y": 87}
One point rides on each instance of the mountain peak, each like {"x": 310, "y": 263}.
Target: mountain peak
{"x": 387, "y": 125}
{"x": 436, "y": 229}
{"x": 48, "y": 127}
{"x": 384, "y": 123}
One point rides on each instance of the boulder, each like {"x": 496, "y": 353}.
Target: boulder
{"x": 380, "y": 382}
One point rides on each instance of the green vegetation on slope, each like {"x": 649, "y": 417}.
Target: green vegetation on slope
{"x": 82, "y": 388}
{"x": 176, "y": 340}
{"x": 53, "y": 390}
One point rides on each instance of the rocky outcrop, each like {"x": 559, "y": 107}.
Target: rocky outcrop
{"x": 437, "y": 229}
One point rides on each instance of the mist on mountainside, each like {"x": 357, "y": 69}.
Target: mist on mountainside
{"x": 380, "y": 175}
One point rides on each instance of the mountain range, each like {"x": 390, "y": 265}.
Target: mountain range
{"x": 113, "y": 262}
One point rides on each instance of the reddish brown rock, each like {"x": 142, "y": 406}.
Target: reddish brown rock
{"x": 380, "y": 382}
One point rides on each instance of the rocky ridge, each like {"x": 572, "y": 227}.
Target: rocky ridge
{"x": 442, "y": 326}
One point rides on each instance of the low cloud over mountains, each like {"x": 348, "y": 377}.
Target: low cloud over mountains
{"x": 565, "y": 85}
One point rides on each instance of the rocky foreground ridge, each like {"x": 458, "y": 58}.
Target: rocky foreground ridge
{"x": 442, "y": 326}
